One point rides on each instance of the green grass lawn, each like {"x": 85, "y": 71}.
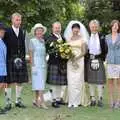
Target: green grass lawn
{"x": 63, "y": 113}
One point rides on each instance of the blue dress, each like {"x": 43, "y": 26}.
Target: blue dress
{"x": 3, "y": 71}
{"x": 39, "y": 66}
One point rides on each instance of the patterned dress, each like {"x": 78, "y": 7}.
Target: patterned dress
{"x": 113, "y": 57}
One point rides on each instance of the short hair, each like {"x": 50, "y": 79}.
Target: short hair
{"x": 76, "y": 25}
{"x": 94, "y": 22}
{"x": 57, "y": 22}
{"x": 16, "y": 14}
{"x": 113, "y": 22}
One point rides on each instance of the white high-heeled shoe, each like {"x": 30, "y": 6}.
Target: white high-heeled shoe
{"x": 75, "y": 106}
{"x": 70, "y": 105}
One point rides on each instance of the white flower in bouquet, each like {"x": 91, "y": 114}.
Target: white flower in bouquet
{"x": 51, "y": 44}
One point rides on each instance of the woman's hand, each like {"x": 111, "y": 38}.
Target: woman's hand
{"x": 30, "y": 58}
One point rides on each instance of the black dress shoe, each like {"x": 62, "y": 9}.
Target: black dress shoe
{"x": 2, "y": 111}
{"x": 20, "y": 105}
{"x": 55, "y": 105}
{"x": 8, "y": 107}
{"x": 61, "y": 102}
{"x": 93, "y": 103}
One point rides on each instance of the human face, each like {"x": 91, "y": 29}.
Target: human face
{"x": 56, "y": 28}
{"x": 39, "y": 32}
{"x": 2, "y": 33}
{"x": 16, "y": 21}
{"x": 94, "y": 28}
{"x": 76, "y": 31}
{"x": 115, "y": 27}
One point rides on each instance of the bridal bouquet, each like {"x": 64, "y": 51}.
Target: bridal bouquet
{"x": 59, "y": 47}
{"x": 65, "y": 51}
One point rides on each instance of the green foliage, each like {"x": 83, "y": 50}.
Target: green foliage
{"x": 43, "y": 11}
{"x": 103, "y": 10}
{"x": 49, "y": 11}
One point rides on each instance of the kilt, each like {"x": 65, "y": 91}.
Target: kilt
{"x": 95, "y": 77}
{"x": 15, "y": 75}
{"x": 57, "y": 74}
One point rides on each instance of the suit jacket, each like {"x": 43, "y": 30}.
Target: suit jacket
{"x": 104, "y": 48}
{"x": 15, "y": 43}
{"x": 53, "y": 59}
{"x": 113, "y": 56}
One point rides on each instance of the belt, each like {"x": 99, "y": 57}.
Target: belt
{"x": 94, "y": 56}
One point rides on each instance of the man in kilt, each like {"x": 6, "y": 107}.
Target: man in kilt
{"x": 57, "y": 68}
{"x": 16, "y": 64}
{"x": 94, "y": 63}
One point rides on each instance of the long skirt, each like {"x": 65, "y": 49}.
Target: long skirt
{"x": 76, "y": 85}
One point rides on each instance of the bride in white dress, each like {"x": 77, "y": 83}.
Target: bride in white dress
{"x": 76, "y": 36}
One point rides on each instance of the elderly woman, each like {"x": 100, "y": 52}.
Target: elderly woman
{"x": 94, "y": 69}
{"x": 113, "y": 64}
{"x": 38, "y": 61}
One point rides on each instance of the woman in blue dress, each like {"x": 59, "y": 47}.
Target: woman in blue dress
{"x": 39, "y": 66}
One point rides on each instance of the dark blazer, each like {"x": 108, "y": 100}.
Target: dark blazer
{"x": 13, "y": 43}
{"x": 53, "y": 59}
{"x": 104, "y": 48}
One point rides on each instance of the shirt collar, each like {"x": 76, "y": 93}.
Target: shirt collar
{"x": 57, "y": 35}
{"x": 14, "y": 28}
{"x": 94, "y": 33}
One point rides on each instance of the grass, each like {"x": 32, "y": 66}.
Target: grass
{"x": 63, "y": 113}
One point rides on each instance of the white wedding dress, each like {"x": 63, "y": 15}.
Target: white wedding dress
{"x": 75, "y": 74}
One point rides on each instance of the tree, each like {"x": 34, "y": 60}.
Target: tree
{"x": 103, "y": 10}
{"x": 43, "y": 11}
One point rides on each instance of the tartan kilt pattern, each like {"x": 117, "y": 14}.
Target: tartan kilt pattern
{"x": 15, "y": 75}
{"x": 95, "y": 77}
{"x": 57, "y": 74}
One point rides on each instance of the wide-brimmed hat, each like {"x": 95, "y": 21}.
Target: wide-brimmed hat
{"x": 2, "y": 26}
{"x": 39, "y": 25}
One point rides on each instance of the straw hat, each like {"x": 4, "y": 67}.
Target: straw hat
{"x": 39, "y": 25}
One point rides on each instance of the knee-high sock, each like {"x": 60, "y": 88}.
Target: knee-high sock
{"x": 100, "y": 91}
{"x": 18, "y": 93}
{"x": 8, "y": 95}
{"x": 56, "y": 92}
{"x": 92, "y": 91}
{"x": 63, "y": 88}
